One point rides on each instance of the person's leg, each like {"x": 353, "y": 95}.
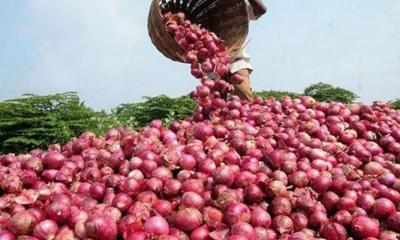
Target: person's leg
{"x": 244, "y": 90}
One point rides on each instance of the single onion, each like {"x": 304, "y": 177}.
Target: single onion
{"x": 21, "y": 223}
{"x": 122, "y": 201}
{"x": 260, "y": 218}
{"x": 156, "y": 225}
{"x": 393, "y": 222}
{"x": 383, "y": 207}
{"x": 212, "y": 217}
{"x": 188, "y": 219}
{"x": 364, "y": 227}
{"x": 300, "y": 220}
{"x": 237, "y": 212}
{"x": 101, "y": 227}
{"x": 163, "y": 207}
{"x": 58, "y": 211}
{"x": 192, "y": 200}
{"x": 334, "y": 231}
{"x": 243, "y": 229}
{"x": 46, "y": 230}
{"x": 200, "y": 233}
{"x": 6, "y": 235}
{"x": 282, "y": 224}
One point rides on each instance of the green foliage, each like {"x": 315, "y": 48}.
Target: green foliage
{"x": 396, "y": 104}
{"x": 138, "y": 115}
{"x": 276, "y": 94}
{"x": 326, "y": 92}
{"x": 37, "y": 121}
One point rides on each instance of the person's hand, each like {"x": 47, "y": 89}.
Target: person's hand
{"x": 259, "y": 7}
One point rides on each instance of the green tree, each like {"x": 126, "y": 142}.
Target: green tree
{"x": 326, "y": 92}
{"x": 138, "y": 115}
{"x": 36, "y": 121}
{"x": 276, "y": 94}
{"x": 396, "y": 103}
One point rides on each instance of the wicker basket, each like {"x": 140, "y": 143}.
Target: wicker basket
{"x": 227, "y": 18}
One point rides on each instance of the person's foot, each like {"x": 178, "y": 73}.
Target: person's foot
{"x": 243, "y": 90}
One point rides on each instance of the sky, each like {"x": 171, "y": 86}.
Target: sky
{"x": 101, "y": 49}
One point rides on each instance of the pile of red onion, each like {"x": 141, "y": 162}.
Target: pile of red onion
{"x": 235, "y": 170}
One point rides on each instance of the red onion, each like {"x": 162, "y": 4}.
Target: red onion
{"x": 366, "y": 201}
{"x": 330, "y": 200}
{"x": 282, "y": 224}
{"x": 193, "y": 185}
{"x": 243, "y": 229}
{"x": 137, "y": 236}
{"x": 224, "y": 175}
{"x": 383, "y": 207}
{"x": 298, "y": 179}
{"x": 101, "y": 227}
{"x": 65, "y": 234}
{"x": 276, "y": 189}
{"x": 200, "y": 233}
{"x": 171, "y": 187}
{"x": 318, "y": 219}
{"x": 188, "y": 219}
{"x": 129, "y": 186}
{"x": 6, "y": 235}
{"x": 393, "y": 222}
{"x": 21, "y": 223}
{"x": 163, "y": 207}
{"x": 192, "y": 200}
{"x": 322, "y": 183}
{"x": 152, "y": 184}
{"x": 53, "y": 160}
{"x": 212, "y": 217}
{"x": 237, "y": 212}
{"x": 253, "y": 193}
{"x": 260, "y": 218}
{"x": 346, "y": 203}
{"x": 97, "y": 191}
{"x": 202, "y": 131}
{"x": 300, "y": 220}
{"x": 281, "y": 206}
{"x": 364, "y": 227}
{"x": 46, "y": 230}
{"x": 187, "y": 162}
{"x": 334, "y": 231}
{"x": 122, "y": 201}
{"x": 58, "y": 211}
{"x": 156, "y": 225}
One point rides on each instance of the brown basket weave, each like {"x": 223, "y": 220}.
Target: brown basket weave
{"x": 227, "y": 18}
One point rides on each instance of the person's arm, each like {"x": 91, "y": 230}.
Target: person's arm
{"x": 259, "y": 7}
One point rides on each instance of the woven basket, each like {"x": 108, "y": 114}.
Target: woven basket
{"x": 227, "y": 18}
